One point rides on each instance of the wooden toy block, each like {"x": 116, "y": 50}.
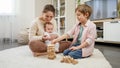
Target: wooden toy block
{"x": 68, "y": 59}
{"x": 51, "y": 51}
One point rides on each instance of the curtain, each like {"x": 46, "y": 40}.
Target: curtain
{"x": 15, "y": 16}
{"x": 6, "y": 28}
{"x": 7, "y": 18}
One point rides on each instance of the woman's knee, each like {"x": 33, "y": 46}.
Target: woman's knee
{"x": 32, "y": 45}
{"x": 37, "y": 46}
{"x": 64, "y": 45}
{"x": 32, "y": 42}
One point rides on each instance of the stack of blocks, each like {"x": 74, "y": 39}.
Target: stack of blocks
{"x": 68, "y": 59}
{"x": 51, "y": 51}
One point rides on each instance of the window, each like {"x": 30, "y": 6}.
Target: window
{"x": 7, "y": 7}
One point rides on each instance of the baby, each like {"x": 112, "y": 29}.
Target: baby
{"x": 48, "y": 27}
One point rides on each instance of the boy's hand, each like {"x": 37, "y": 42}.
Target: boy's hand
{"x": 54, "y": 41}
{"x": 73, "y": 48}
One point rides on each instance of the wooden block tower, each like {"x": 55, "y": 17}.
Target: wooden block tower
{"x": 51, "y": 51}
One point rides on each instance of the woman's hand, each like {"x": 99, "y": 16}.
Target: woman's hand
{"x": 73, "y": 48}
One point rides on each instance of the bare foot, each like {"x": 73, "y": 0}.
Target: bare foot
{"x": 36, "y": 54}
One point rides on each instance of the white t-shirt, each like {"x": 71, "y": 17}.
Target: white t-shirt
{"x": 47, "y": 42}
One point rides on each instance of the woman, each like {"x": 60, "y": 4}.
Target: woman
{"x": 36, "y": 37}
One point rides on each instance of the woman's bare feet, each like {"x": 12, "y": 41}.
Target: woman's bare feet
{"x": 36, "y": 54}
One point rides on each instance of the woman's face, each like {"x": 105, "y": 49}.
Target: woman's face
{"x": 47, "y": 17}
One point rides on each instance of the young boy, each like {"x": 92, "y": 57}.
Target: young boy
{"x": 83, "y": 32}
{"x": 48, "y": 27}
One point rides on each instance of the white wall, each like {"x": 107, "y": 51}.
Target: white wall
{"x": 70, "y": 14}
{"x": 25, "y": 13}
{"x": 12, "y": 25}
{"x": 39, "y": 5}
{"x": 83, "y": 1}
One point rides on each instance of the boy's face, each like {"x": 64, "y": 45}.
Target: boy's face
{"x": 81, "y": 17}
{"x": 49, "y": 28}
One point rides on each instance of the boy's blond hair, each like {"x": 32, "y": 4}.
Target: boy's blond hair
{"x": 84, "y": 9}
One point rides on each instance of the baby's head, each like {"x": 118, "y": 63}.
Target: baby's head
{"x": 48, "y": 27}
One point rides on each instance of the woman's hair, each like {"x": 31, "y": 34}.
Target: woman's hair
{"x": 49, "y": 7}
{"x": 84, "y": 9}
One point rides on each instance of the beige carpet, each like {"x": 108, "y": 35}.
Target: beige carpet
{"x": 21, "y": 57}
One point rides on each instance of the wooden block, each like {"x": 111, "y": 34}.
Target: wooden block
{"x": 62, "y": 59}
{"x": 68, "y": 59}
{"x": 51, "y": 51}
{"x": 74, "y": 62}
